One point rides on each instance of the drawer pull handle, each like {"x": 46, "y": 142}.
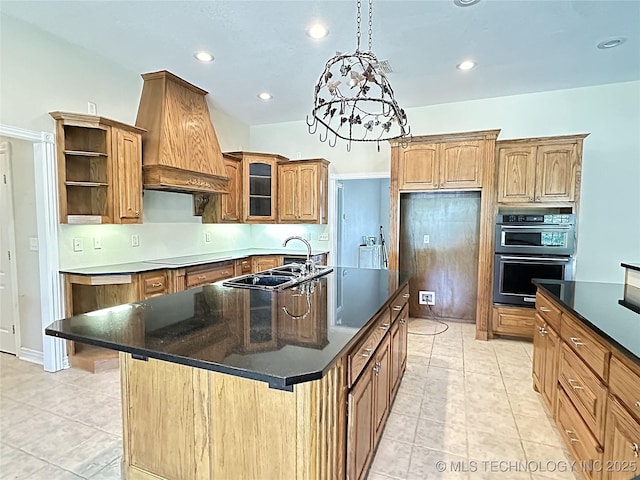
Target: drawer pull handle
{"x": 575, "y": 387}
{"x": 576, "y": 341}
{"x": 367, "y": 352}
{"x": 573, "y": 440}
{"x": 384, "y": 326}
{"x": 634, "y": 447}
{"x": 224, "y": 272}
{"x": 545, "y": 309}
{"x": 406, "y": 295}
{"x": 397, "y": 308}
{"x": 156, "y": 284}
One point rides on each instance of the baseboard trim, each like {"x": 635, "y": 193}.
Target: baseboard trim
{"x": 29, "y": 355}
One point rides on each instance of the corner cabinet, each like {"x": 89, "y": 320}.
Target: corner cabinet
{"x": 99, "y": 169}
{"x": 221, "y": 208}
{"x": 302, "y": 191}
{"x": 539, "y": 170}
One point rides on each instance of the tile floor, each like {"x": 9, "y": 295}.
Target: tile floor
{"x": 463, "y": 402}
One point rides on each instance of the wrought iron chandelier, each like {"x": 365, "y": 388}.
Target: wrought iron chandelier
{"x": 353, "y": 99}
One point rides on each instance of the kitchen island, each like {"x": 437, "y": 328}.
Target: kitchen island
{"x": 222, "y": 382}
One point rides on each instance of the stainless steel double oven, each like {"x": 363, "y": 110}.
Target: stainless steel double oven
{"x": 529, "y": 246}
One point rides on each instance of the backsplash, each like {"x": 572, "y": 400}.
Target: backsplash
{"x": 164, "y": 240}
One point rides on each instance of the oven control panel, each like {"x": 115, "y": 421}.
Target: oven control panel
{"x": 527, "y": 218}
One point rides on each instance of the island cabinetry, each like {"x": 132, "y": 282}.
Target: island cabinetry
{"x": 209, "y": 273}
{"x": 99, "y": 169}
{"x": 539, "y": 170}
{"x": 300, "y": 321}
{"x": 302, "y": 191}
{"x": 449, "y": 165}
{"x": 546, "y": 350}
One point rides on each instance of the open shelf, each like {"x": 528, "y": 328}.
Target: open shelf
{"x": 93, "y": 359}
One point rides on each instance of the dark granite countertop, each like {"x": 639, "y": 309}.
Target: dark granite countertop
{"x": 243, "y": 332}
{"x": 597, "y": 306}
{"x": 185, "y": 261}
{"x": 631, "y": 266}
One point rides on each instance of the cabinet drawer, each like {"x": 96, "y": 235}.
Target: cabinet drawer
{"x": 625, "y": 384}
{"x": 586, "y": 391}
{"x": 360, "y": 355}
{"x": 576, "y": 435}
{"x": 208, "y": 274}
{"x": 154, "y": 284}
{"x": 398, "y": 303}
{"x": 586, "y": 345}
{"x": 548, "y": 310}
{"x": 514, "y": 321}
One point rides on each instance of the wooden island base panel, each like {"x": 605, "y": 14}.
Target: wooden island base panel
{"x": 227, "y": 383}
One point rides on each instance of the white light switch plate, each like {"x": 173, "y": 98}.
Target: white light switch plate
{"x": 77, "y": 245}
{"x": 135, "y": 240}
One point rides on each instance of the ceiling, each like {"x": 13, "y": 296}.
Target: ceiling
{"x": 520, "y": 46}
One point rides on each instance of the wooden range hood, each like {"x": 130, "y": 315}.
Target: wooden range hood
{"x": 180, "y": 151}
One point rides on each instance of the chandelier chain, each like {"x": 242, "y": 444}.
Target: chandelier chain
{"x": 358, "y": 26}
{"x": 370, "y": 22}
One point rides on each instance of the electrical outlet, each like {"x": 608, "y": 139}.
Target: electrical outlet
{"x": 33, "y": 244}
{"x": 97, "y": 243}
{"x": 92, "y": 108}
{"x": 207, "y": 237}
{"x": 324, "y": 237}
{"x": 426, "y": 239}
{"x": 77, "y": 245}
{"x": 135, "y": 240}
{"x": 427, "y": 298}
{"x": 298, "y": 155}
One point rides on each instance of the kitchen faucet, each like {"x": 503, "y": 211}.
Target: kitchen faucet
{"x": 309, "y": 265}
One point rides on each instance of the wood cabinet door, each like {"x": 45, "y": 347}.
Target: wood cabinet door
{"x": 308, "y": 204}
{"x": 265, "y": 262}
{"x": 231, "y": 204}
{"x": 622, "y": 444}
{"x": 396, "y": 354}
{"x": 556, "y": 173}
{"x": 418, "y": 167}
{"x": 551, "y": 364}
{"x": 516, "y": 174}
{"x": 381, "y": 381}
{"x": 127, "y": 175}
{"x": 360, "y": 426}
{"x": 461, "y": 164}
{"x": 288, "y": 194}
{"x": 539, "y": 345}
{"x": 259, "y": 188}
{"x": 404, "y": 337}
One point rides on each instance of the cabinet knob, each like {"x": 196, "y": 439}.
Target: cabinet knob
{"x": 403, "y": 321}
{"x": 638, "y": 404}
{"x": 634, "y": 447}
{"x": 137, "y": 213}
{"x": 537, "y": 199}
{"x": 542, "y": 331}
{"x": 531, "y": 198}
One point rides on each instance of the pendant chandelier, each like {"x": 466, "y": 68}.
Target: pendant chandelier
{"x": 353, "y": 99}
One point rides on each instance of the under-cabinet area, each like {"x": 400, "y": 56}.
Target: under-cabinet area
{"x": 588, "y": 373}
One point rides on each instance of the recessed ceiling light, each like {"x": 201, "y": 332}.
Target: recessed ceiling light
{"x": 203, "y": 56}
{"x": 613, "y": 42}
{"x": 265, "y": 96}
{"x": 317, "y": 31}
{"x": 465, "y": 3}
{"x": 466, "y": 65}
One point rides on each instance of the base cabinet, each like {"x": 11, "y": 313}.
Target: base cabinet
{"x": 622, "y": 443}
{"x": 360, "y": 436}
{"x": 513, "y": 321}
{"x": 546, "y": 349}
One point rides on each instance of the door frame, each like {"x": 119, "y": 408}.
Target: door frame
{"x": 333, "y": 204}
{"x": 11, "y": 234}
{"x": 51, "y": 297}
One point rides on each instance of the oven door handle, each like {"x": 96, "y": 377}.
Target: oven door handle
{"x": 505, "y": 228}
{"x": 537, "y": 259}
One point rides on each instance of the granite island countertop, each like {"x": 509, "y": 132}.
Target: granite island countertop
{"x": 244, "y": 332}
{"x": 597, "y": 306}
{"x": 185, "y": 261}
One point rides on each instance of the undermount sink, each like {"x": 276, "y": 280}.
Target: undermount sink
{"x": 277, "y": 278}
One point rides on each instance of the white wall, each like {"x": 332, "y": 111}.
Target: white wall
{"x": 609, "y": 222}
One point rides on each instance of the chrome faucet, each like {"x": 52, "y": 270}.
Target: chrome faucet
{"x": 309, "y": 265}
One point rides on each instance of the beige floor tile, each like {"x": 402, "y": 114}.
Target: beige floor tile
{"x": 392, "y": 458}
{"x": 406, "y": 404}
{"x": 481, "y": 364}
{"x": 418, "y": 360}
{"x": 442, "y": 361}
{"x": 92, "y": 455}
{"x": 520, "y": 386}
{"x": 497, "y": 471}
{"x": 412, "y": 385}
{"x": 378, "y": 476}
{"x": 495, "y": 447}
{"x": 18, "y": 465}
{"x": 51, "y": 472}
{"x": 445, "y": 437}
{"x": 516, "y": 370}
{"x": 421, "y": 326}
{"x": 113, "y": 471}
{"x": 400, "y": 427}
{"x": 13, "y": 412}
{"x": 428, "y": 464}
{"x": 490, "y": 421}
{"x": 548, "y": 461}
{"x": 527, "y": 405}
{"x": 416, "y": 369}
{"x": 537, "y": 430}
{"x": 476, "y": 382}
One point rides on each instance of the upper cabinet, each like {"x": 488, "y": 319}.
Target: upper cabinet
{"x": 99, "y": 169}
{"x": 227, "y": 208}
{"x": 539, "y": 170}
{"x": 302, "y": 191}
{"x": 450, "y": 165}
